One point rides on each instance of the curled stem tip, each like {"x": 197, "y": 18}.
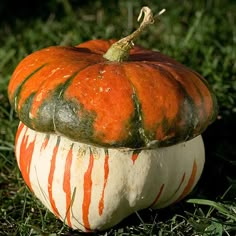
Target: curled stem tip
{"x": 119, "y": 51}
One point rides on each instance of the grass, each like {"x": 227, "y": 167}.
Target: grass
{"x": 200, "y": 34}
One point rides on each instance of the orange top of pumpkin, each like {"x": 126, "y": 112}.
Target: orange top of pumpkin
{"x": 147, "y": 101}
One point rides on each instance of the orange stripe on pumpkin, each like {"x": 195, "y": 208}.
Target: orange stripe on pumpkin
{"x": 135, "y": 155}
{"x": 181, "y": 182}
{"x": 26, "y": 152}
{"x": 19, "y": 130}
{"x": 158, "y": 195}
{"x": 45, "y": 143}
{"x": 50, "y": 179}
{"x": 190, "y": 183}
{"x": 177, "y": 189}
{"x": 67, "y": 185}
{"x": 87, "y": 192}
{"x": 106, "y": 173}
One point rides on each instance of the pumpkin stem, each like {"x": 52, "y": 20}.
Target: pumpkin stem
{"x": 119, "y": 51}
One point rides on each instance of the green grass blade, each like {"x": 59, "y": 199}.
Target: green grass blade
{"x": 218, "y": 206}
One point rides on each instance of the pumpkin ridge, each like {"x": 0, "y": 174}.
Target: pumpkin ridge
{"x": 81, "y": 130}
{"x": 24, "y": 114}
{"x": 139, "y": 138}
{"x": 185, "y": 128}
{"x": 138, "y": 121}
{"x": 203, "y": 108}
{"x": 17, "y": 91}
{"x": 208, "y": 118}
{"x": 61, "y": 90}
{"x": 192, "y": 119}
{"x": 141, "y": 130}
{"x": 69, "y": 125}
{"x": 52, "y": 81}
{"x": 202, "y": 116}
{"x": 213, "y": 116}
{"x": 47, "y": 122}
{"x": 43, "y": 121}
{"x": 107, "y": 99}
{"x": 149, "y": 135}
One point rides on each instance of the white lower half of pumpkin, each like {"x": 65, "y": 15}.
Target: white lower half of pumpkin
{"x": 92, "y": 188}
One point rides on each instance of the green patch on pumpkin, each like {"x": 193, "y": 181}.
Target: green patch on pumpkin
{"x": 16, "y": 96}
{"x": 24, "y": 112}
{"x": 73, "y": 121}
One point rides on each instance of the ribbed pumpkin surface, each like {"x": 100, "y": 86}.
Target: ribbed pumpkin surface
{"x": 149, "y": 100}
{"x": 92, "y": 188}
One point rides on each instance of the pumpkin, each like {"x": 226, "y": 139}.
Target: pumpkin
{"x": 108, "y": 128}
{"x": 92, "y": 188}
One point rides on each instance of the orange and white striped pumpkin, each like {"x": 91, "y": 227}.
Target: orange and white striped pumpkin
{"x": 94, "y": 188}
{"x": 109, "y": 128}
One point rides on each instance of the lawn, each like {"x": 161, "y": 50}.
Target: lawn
{"x": 199, "y": 34}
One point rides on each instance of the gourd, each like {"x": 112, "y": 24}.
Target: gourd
{"x": 94, "y": 188}
{"x": 108, "y": 128}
